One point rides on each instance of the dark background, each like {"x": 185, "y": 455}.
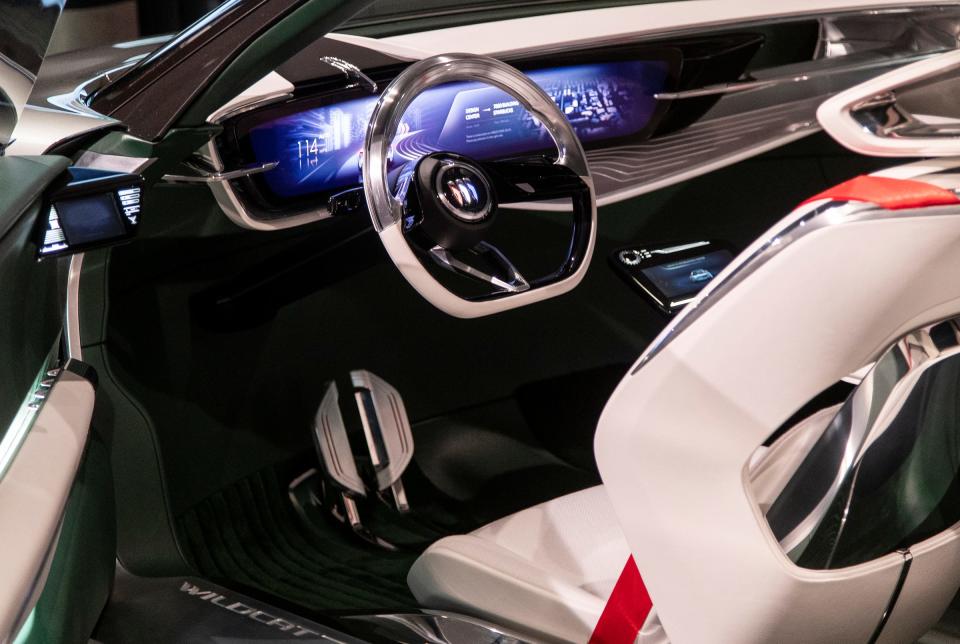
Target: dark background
{"x": 156, "y": 16}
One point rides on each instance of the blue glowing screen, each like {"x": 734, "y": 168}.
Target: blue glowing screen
{"x": 686, "y": 276}
{"x": 319, "y": 149}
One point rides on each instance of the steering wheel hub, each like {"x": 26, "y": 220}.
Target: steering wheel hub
{"x": 464, "y": 190}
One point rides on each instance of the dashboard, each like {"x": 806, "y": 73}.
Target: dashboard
{"x": 318, "y": 147}
{"x": 306, "y": 143}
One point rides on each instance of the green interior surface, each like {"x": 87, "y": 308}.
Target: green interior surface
{"x": 30, "y": 315}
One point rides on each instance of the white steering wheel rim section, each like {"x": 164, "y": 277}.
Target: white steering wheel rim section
{"x": 386, "y": 210}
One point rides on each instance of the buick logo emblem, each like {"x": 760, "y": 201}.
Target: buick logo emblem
{"x": 464, "y": 191}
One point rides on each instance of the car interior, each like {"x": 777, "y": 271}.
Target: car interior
{"x": 300, "y": 391}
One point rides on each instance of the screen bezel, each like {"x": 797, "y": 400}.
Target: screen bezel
{"x": 82, "y": 183}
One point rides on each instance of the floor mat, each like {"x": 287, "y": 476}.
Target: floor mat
{"x": 171, "y": 610}
{"x": 250, "y": 534}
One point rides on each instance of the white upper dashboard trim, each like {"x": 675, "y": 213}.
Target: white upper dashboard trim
{"x": 601, "y": 24}
{"x": 271, "y": 86}
{"x": 384, "y": 46}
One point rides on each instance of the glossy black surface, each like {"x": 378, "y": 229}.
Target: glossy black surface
{"x": 885, "y": 474}
{"x": 709, "y": 61}
{"x": 670, "y": 274}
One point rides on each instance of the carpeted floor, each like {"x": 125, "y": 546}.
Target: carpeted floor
{"x": 249, "y": 533}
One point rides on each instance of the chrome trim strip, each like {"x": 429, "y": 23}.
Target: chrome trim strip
{"x": 72, "y": 310}
{"x": 907, "y": 562}
{"x": 207, "y": 177}
{"x": 240, "y": 213}
{"x": 355, "y": 76}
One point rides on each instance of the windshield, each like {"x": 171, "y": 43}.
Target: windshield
{"x": 396, "y": 16}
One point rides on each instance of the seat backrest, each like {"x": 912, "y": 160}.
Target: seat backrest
{"x": 828, "y": 290}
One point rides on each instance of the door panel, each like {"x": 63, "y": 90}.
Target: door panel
{"x": 46, "y": 400}
{"x": 30, "y": 312}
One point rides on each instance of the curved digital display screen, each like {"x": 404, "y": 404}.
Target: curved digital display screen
{"x": 318, "y": 149}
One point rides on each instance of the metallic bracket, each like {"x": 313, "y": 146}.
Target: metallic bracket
{"x": 206, "y": 176}
{"x": 355, "y": 76}
{"x": 514, "y": 283}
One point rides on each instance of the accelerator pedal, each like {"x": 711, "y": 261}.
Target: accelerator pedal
{"x": 339, "y": 465}
{"x": 387, "y": 430}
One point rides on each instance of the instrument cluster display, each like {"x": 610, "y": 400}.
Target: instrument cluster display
{"x": 318, "y": 149}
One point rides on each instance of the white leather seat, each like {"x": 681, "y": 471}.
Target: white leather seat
{"x": 688, "y": 481}
{"x": 550, "y": 569}
{"x": 547, "y": 570}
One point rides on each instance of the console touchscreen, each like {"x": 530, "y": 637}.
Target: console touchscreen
{"x": 671, "y": 275}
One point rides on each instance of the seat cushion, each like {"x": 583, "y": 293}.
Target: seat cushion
{"x": 546, "y": 571}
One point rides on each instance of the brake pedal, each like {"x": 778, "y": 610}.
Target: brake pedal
{"x": 333, "y": 445}
{"x": 387, "y": 430}
{"x": 333, "y": 448}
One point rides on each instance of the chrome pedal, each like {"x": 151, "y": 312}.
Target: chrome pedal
{"x": 332, "y": 444}
{"x": 387, "y": 430}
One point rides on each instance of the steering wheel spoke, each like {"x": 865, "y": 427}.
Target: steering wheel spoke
{"x": 509, "y": 281}
{"x": 534, "y": 180}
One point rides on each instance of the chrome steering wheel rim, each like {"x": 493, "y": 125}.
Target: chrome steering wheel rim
{"x": 386, "y": 210}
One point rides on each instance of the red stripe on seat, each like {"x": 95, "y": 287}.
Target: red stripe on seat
{"x": 892, "y": 194}
{"x": 626, "y": 610}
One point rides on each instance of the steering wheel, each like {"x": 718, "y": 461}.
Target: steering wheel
{"x": 442, "y": 208}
